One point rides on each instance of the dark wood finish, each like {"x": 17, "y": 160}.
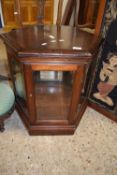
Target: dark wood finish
{"x": 29, "y": 92}
{"x": 100, "y": 17}
{"x": 68, "y": 12}
{"x": 41, "y": 12}
{"x": 31, "y": 46}
{"x": 27, "y": 41}
{"x": 59, "y": 14}
{"x": 76, "y": 92}
{"x": 103, "y": 111}
{"x": 89, "y": 15}
{"x": 88, "y": 11}
{"x": 4, "y": 117}
{"x": 92, "y": 16}
{"x": 83, "y": 11}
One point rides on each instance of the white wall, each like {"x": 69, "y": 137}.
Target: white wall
{"x": 64, "y": 5}
{"x": 56, "y": 8}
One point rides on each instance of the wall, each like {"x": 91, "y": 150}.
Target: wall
{"x": 64, "y": 5}
{"x": 56, "y": 8}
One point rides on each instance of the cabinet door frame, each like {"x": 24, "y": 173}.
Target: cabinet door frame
{"x": 72, "y": 117}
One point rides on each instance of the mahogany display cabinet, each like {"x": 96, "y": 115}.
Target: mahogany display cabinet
{"x": 48, "y": 67}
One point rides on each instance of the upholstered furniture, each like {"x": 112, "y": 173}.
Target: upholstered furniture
{"x": 7, "y": 101}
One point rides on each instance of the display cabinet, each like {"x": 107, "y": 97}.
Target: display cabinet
{"x": 48, "y": 66}
{"x": 23, "y": 12}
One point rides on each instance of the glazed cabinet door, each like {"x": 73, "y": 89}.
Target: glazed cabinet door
{"x": 18, "y": 79}
{"x": 54, "y": 93}
{"x": 30, "y": 11}
{"x": 48, "y": 11}
{"x": 8, "y": 13}
{"x": 23, "y": 12}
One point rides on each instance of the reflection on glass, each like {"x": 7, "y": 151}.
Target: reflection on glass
{"x": 51, "y": 75}
{"x": 19, "y": 79}
{"x": 88, "y": 13}
{"x": 53, "y": 91}
{"x": 19, "y": 84}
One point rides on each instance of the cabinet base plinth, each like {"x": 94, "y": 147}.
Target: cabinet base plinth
{"x": 49, "y": 129}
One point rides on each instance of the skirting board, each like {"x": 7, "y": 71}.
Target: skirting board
{"x": 103, "y": 111}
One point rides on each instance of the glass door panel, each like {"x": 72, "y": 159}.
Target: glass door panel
{"x": 19, "y": 84}
{"x": 53, "y": 91}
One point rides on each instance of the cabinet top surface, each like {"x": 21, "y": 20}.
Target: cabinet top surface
{"x": 49, "y": 40}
